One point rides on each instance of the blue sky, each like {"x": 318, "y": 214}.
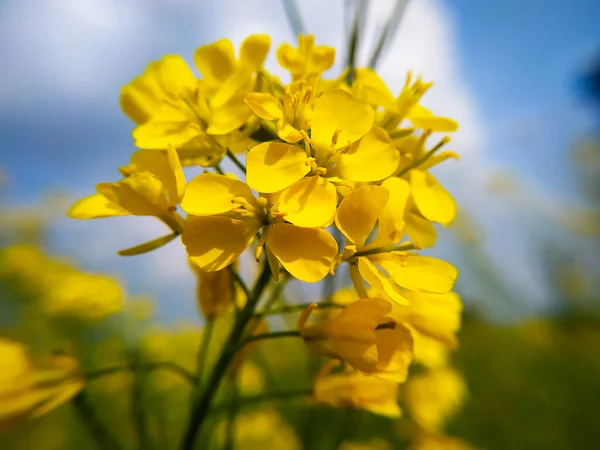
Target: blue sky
{"x": 507, "y": 68}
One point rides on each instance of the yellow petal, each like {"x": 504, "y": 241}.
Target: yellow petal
{"x": 373, "y": 158}
{"x": 229, "y": 116}
{"x": 214, "y": 242}
{"x": 322, "y": 59}
{"x": 289, "y": 58}
{"x": 141, "y": 194}
{"x": 336, "y": 111}
{"x": 379, "y": 281}
{"x": 421, "y": 117}
{"x": 373, "y": 89}
{"x": 253, "y": 51}
{"x": 358, "y": 212}
{"x": 391, "y": 220}
{"x": 420, "y": 273}
{"x": 216, "y": 61}
{"x": 264, "y": 105}
{"x": 273, "y": 166}
{"x": 435, "y": 315}
{"x": 148, "y": 246}
{"x": 287, "y": 132}
{"x": 170, "y": 127}
{"x": 437, "y": 159}
{"x": 210, "y": 193}
{"x": 142, "y": 97}
{"x": 420, "y": 231}
{"x": 165, "y": 165}
{"x": 310, "y": 202}
{"x": 95, "y": 206}
{"x": 175, "y": 76}
{"x": 395, "y": 349}
{"x": 306, "y": 253}
{"x": 433, "y": 201}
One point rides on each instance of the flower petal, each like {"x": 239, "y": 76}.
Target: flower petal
{"x": 229, "y": 116}
{"x": 373, "y": 89}
{"x": 310, "y": 202}
{"x": 253, "y": 51}
{"x": 306, "y": 253}
{"x": 216, "y": 61}
{"x": 165, "y": 165}
{"x": 175, "y": 76}
{"x": 433, "y": 201}
{"x": 273, "y": 166}
{"x": 395, "y": 350}
{"x": 358, "y": 212}
{"x": 435, "y": 315}
{"x": 264, "y": 105}
{"x": 379, "y": 281}
{"x": 373, "y": 158}
{"x": 336, "y": 111}
{"x": 421, "y": 117}
{"x": 170, "y": 126}
{"x": 211, "y": 193}
{"x": 420, "y": 273}
{"x": 141, "y": 193}
{"x": 420, "y": 231}
{"x": 391, "y": 220}
{"x": 214, "y": 242}
{"x": 95, "y": 206}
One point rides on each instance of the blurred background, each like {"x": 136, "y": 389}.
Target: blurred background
{"x": 521, "y": 78}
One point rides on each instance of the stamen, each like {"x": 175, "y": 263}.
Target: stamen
{"x": 261, "y": 244}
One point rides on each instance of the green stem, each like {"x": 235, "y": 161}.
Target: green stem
{"x": 236, "y": 161}
{"x": 269, "y": 396}
{"x": 203, "y": 352}
{"x": 233, "y": 407}
{"x": 99, "y": 433}
{"x": 397, "y": 248}
{"x": 274, "y": 335}
{"x": 170, "y": 366}
{"x": 137, "y": 405}
{"x": 219, "y": 170}
{"x": 294, "y": 308}
{"x": 201, "y": 406}
{"x": 239, "y": 281}
{"x": 418, "y": 162}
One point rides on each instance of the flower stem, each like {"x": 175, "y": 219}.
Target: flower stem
{"x": 236, "y": 161}
{"x": 201, "y": 406}
{"x": 98, "y": 432}
{"x": 294, "y": 308}
{"x": 170, "y": 366}
{"x": 274, "y": 335}
{"x": 203, "y": 352}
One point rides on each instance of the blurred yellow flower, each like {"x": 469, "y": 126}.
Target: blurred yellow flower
{"x": 308, "y": 58}
{"x": 351, "y": 389}
{"x": 27, "y": 391}
{"x": 434, "y": 396}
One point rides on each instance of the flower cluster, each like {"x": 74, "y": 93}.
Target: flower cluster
{"x": 333, "y": 172}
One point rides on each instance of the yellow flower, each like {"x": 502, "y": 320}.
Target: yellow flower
{"x": 307, "y": 58}
{"x": 153, "y": 186}
{"x": 172, "y": 107}
{"x": 380, "y": 264}
{"x": 343, "y": 147}
{"x": 427, "y": 441}
{"x": 227, "y": 218}
{"x": 365, "y": 336}
{"x": 351, "y": 389}
{"x": 213, "y": 290}
{"x": 28, "y": 392}
{"x": 82, "y": 296}
{"x": 434, "y": 396}
{"x": 292, "y": 110}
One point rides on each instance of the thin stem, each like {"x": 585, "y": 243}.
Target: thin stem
{"x": 428, "y": 155}
{"x": 219, "y": 170}
{"x": 203, "y": 352}
{"x": 269, "y": 396}
{"x": 293, "y": 14}
{"x": 294, "y": 308}
{"x": 201, "y": 406}
{"x": 236, "y": 161}
{"x": 97, "y": 430}
{"x": 397, "y": 248}
{"x": 360, "y": 12}
{"x": 233, "y": 407}
{"x": 137, "y": 405}
{"x": 389, "y": 30}
{"x": 239, "y": 281}
{"x": 273, "y": 335}
{"x": 170, "y": 366}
